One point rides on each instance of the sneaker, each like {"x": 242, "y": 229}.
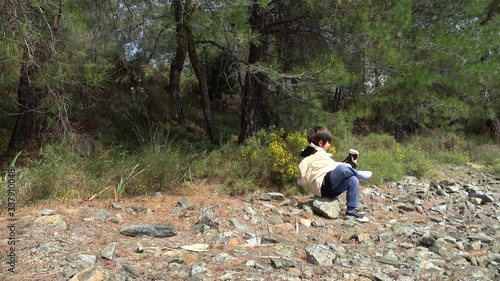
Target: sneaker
{"x": 364, "y": 175}
{"x": 359, "y": 217}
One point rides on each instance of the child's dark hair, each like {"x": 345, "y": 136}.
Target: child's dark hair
{"x": 317, "y": 134}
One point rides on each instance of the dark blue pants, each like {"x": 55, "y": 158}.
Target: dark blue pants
{"x": 343, "y": 178}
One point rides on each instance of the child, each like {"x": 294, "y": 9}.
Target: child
{"x": 327, "y": 178}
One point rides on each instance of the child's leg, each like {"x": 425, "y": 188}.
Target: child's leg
{"x": 344, "y": 178}
{"x": 351, "y": 185}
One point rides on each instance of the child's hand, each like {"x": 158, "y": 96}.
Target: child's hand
{"x": 354, "y": 159}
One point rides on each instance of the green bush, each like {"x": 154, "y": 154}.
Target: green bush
{"x": 379, "y": 141}
{"x": 268, "y": 160}
{"x": 416, "y": 161}
{"x": 387, "y": 159}
{"x": 495, "y": 168}
{"x": 275, "y": 153}
{"x": 384, "y": 165}
{"x": 452, "y": 157}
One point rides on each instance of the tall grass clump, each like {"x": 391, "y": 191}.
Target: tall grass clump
{"x": 163, "y": 160}
{"x": 163, "y": 167}
{"x": 225, "y": 165}
{"x": 63, "y": 173}
{"x": 60, "y": 173}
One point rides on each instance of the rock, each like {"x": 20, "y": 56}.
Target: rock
{"x": 326, "y": 207}
{"x": 440, "y": 208}
{"x": 199, "y": 268}
{"x": 116, "y": 218}
{"x": 362, "y": 237}
{"x": 87, "y": 258}
{"x": 226, "y": 277}
{"x": 207, "y": 218}
{"x": 223, "y": 257}
{"x": 117, "y": 206}
{"x": 130, "y": 269}
{"x": 109, "y": 251}
{"x": 139, "y": 248}
{"x": 272, "y": 196}
{"x": 475, "y": 201}
{"x": 389, "y": 258}
{"x": 153, "y": 230}
{"x": 320, "y": 255}
{"x": 254, "y": 241}
{"x": 238, "y": 225}
{"x": 89, "y": 274}
{"x": 427, "y": 241}
{"x": 270, "y": 239}
{"x": 182, "y": 205}
{"x": 249, "y": 210}
{"x": 55, "y": 220}
{"x": 200, "y": 247}
{"x": 407, "y": 207}
{"x": 97, "y": 213}
{"x": 385, "y": 237}
{"x": 485, "y": 198}
{"x": 482, "y": 237}
{"x": 281, "y": 262}
{"x": 306, "y": 222}
{"x": 46, "y": 212}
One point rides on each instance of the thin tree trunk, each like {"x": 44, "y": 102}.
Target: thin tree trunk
{"x": 338, "y": 99}
{"x": 213, "y": 131}
{"x": 253, "y": 92}
{"x": 27, "y": 128}
{"x": 493, "y": 125}
{"x": 178, "y": 61}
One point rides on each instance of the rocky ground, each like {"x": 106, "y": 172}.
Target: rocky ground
{"x": 446, "y": 229}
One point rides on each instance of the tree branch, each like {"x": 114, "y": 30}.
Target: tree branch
{"x": 222, "y": 48}
{"x": 156, "y": 41}
{"x": 283, "y": 22}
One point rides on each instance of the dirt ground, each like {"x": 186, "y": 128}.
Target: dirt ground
{"x": 92, "y": 234}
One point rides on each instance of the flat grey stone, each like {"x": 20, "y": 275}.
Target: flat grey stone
{"x": 273, "y": 196}
{"x": 238, "y": 225}
{"x": 326, "y": 207}
{"x": 152, "y": 230}
{"x": 46, "y": 212}
{"x": 87, "y": 258}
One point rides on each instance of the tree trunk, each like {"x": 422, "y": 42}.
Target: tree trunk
{"x": 27, "y": 129}
{"x": 178, "y": 61}
{"x": 493, "y": 125}
{"x": 338, "y": 99}
{"x": 253, "y": 104}
{"x": 213, "y": 131}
